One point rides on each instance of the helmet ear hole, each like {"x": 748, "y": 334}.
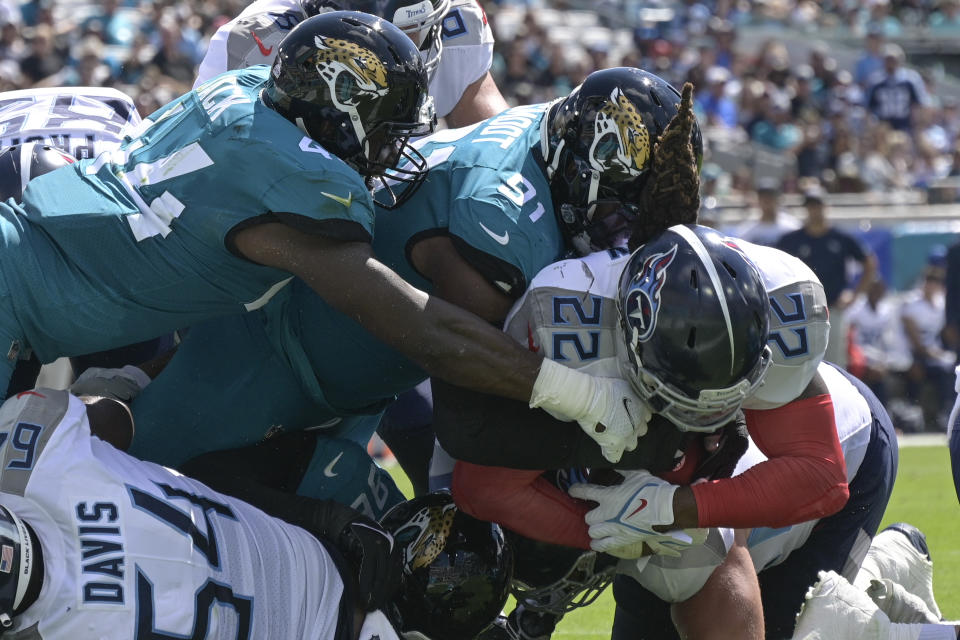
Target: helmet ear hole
{"x": 694, "y": 279}
{"x": 692, "y": 338}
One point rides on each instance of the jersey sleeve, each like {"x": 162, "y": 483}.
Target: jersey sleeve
{"x": 467, "y": 54}
{"x": 315, "y": 203}
{"x": 28, "y": 423}
{"x": 856, "y": 249}
{"x": 503, "y": 230}
{"x": 799, "y": 325}
{"x": 249, "y": 39}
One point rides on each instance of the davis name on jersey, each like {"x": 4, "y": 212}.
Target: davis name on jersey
{"x": 136, "y": 242}
{"x": 252, "y": 38}
{"x": 133, "y": 550}
{"x": 83, "y": 121}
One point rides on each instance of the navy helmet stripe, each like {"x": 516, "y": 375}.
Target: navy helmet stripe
{"x": 694, "y": 241}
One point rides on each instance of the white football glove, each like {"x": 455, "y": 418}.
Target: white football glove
{"x": 626, "y": 514}
{"x": 607, "y": 409}
{"x": 123, "y": 384}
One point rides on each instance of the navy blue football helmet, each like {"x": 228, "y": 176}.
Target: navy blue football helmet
{"x": 24, "y": 162}
{"x": 598, "y": 146}
{"x": 694, "y": 314}
{"x": 457, "y": 570}
{"x": 21, "y": 567}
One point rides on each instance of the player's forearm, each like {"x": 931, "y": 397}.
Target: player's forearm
{"x": 473, "y": 427}
{"x": 804, "y": 478}
{"x": 522, "y": 501}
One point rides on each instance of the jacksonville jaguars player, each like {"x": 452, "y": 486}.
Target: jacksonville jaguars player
{"x": 195, "y": 242}
{"x": 81, "y": 524}
{"x": 680, "y": 270}
{"x": 503, "y": 199}
{"x": 456, "y": 43}
{"x": 82, "y": 122}
{"x": 454, "y": 38}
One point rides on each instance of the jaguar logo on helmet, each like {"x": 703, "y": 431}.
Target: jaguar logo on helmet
{"x": 643, "y": 301}
{"x": 335, "y": 56}
{"x": 619, "y": 117}
{"x": 425, "y": 534}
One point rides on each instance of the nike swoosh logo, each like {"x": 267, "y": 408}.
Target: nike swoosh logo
{"x": 263, "y": 49}
{"x": 504, "y": 239}
{"x": 328, "y": 471}
{"x": 344, "y": 201}
{"x": 643, "y": 505}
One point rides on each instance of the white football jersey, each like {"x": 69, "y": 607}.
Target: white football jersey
{"x": 252, "y": 38}
{"x": 569, "y": 314}
{"x": 676, "y": 579}
{"x": 133, "y": 550}
{"x": 570, "y": 309}
{"x": 83, "y": 121}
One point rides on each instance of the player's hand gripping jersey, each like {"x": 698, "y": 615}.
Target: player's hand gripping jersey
{"x": 137, "y": 242}
{"x": 83, "y": 121}
{"x": 133, "y": 550}
{"x": 252, "y": 37}
{"x": 569, "y": 313}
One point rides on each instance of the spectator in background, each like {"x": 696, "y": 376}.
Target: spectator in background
{"x": 43, "y": 60}
{"x": 773, "y": 221}
{"x": 931, "y": 373}
{"x": 896, "y": 91}
{"x": 871, "y": 62}
{"x": 951, "y": 327}
{"x": 718, "y": 109}
{"x": 877, "y": 337}
{"x": 946, "y": 20}
{"x": 827, "y": 250}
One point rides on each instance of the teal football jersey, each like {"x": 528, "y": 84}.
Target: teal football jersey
{"x": 488, "y": 191}
{"x": 137, "y": 241}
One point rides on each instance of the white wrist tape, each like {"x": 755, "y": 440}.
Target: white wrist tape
{"x": 137, "y": 374}
{"x": 564, "y": 393}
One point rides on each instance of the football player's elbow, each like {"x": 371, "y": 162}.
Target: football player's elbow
{"x": 836, "y": 499}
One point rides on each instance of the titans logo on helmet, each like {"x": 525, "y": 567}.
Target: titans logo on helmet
{"x": 618, "y": 122}
{"x": 643, "y": 300}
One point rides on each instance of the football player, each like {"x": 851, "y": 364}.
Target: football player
{"x": 722, "y": 341}
{"x": 82, "y": 122}
{"x": 94, "y": 543}
{"x": 454, "y": 38}
{"x": 504, "y": 198}
{"x": 213, "y": 207}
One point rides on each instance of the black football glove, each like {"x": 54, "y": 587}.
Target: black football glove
{"x": 733, "y": 444}
{"x": 371, "y": 552}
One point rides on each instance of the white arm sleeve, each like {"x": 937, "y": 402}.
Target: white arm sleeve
{"x": 466, "y": 57}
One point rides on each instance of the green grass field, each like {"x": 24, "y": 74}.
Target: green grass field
{"x": 923, "y": 496}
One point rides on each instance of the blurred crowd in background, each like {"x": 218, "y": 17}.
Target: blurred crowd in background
{"x": 862, "y": 123}
{"x": 792, "y": 95}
